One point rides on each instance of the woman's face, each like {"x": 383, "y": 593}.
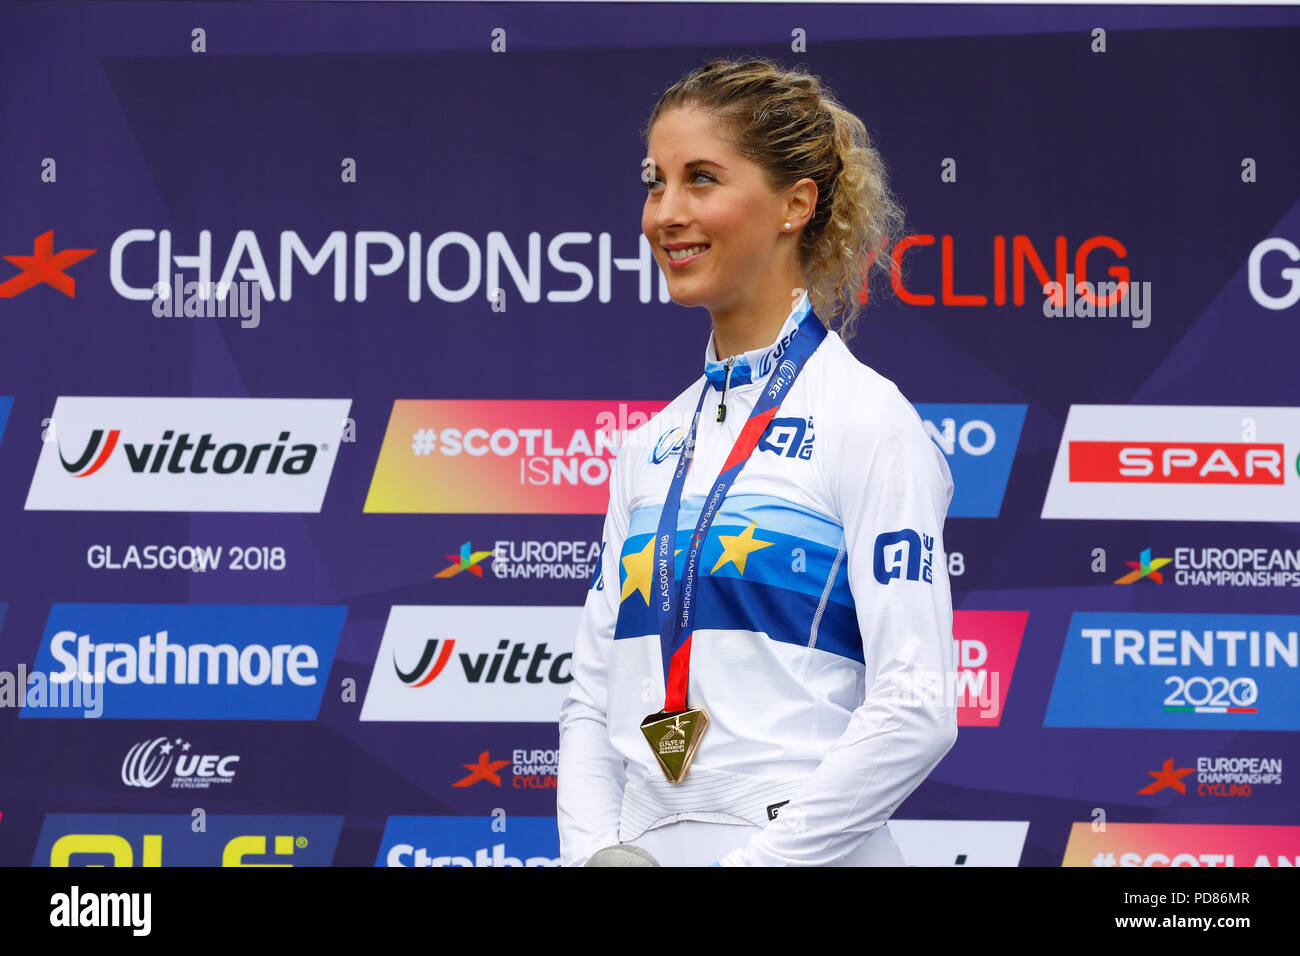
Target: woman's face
{"x": 700, "y": 192}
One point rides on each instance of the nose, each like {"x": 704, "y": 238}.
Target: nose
{"x": 670, "y": 211}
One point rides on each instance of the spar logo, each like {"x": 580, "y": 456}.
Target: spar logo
{"x": 1179, "y": 671}
{"x": 470, "y": 841}
{"x": 488, "y": 663}
{"x": 500, "y": 457}
{"x": 170, "y": 839}
{"x": 149, "y": 762}
{"x": 1217, "y": 776}
{"x": 44, "y": 267}
{"x": 1156, "y": 462}
{"x": 190, "y": 661}
{"x": 1177, "y": 463}
{"x": 187, "y": 454}
{"x": 530, "y": 769}
{"x": 1182, "y": 844}
{"x": 979, "y": 442}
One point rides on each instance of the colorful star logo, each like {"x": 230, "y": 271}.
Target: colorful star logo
{"x": 467, "y": 560}
{"x": 1145, "y": 568}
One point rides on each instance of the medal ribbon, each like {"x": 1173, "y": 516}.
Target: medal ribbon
{"x": 676, "y": 617}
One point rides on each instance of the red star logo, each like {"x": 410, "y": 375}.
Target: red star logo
{"x": 1167, "y": 777}
{"x": 44, "y": 265}
{"x": 485, "y": 769}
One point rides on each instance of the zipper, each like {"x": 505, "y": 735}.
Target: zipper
{"x": 722, "y": 403}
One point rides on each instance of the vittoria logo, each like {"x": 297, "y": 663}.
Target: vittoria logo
{"x": 187, "y": 454}
{"x": 180, "y": 455}
{"x": 488, "y": 663}
{"x": 429, "y": 666}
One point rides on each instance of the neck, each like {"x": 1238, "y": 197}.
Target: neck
{"x": 754, "y": 325}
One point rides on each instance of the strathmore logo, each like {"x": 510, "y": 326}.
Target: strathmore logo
{"x": 187, "y": 454}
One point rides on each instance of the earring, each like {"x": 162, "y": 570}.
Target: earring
{"x": 787, "y": 225}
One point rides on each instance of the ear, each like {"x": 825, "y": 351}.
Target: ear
{"x": 800, "y": 203}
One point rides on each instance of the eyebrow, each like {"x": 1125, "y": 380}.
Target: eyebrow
{"x": 700, "y": 162}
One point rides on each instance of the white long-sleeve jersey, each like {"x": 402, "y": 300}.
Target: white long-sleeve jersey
{"x": 822, "y": 647}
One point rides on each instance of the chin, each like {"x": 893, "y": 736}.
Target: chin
{"x": 689, "y": 294}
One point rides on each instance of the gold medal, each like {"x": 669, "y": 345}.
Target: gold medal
{"x": 674, "y": 737}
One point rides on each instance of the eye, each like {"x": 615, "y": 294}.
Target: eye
{"x": 699, "y": 172}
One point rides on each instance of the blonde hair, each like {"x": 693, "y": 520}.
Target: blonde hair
{"x": 793, "y": 127}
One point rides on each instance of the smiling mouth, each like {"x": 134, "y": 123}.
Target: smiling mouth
{"x": 676, "y": 255}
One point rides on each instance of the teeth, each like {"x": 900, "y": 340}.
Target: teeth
{"x": 685, "y": 253}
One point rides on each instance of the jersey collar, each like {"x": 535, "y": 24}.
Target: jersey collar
{"x": 756, "y": 364}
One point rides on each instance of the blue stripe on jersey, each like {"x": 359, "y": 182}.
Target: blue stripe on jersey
{"x": 736, "y": 604}
{"x": 788, "y": 562}
{"x": 782, "y": 584}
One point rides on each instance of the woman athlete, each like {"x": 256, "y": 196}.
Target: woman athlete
{"x": 761, "y": 663}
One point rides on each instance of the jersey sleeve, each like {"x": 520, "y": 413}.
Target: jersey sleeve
{"x": 591, "y": 773}
{"x": 893, "y": 496}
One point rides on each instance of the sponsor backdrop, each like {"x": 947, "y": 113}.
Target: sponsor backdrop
{"x": 321, "y": 326}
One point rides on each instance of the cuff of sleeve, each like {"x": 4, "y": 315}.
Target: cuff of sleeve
{"x": 735, "y": 858}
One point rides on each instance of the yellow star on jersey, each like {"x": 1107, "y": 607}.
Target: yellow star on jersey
{"x": 640, "y": 569}
{"x": 736, "y": 548}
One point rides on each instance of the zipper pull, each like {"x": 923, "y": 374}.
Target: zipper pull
{"x": 722, "y": 406}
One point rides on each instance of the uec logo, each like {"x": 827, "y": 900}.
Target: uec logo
{"x": 669, "y": 444}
